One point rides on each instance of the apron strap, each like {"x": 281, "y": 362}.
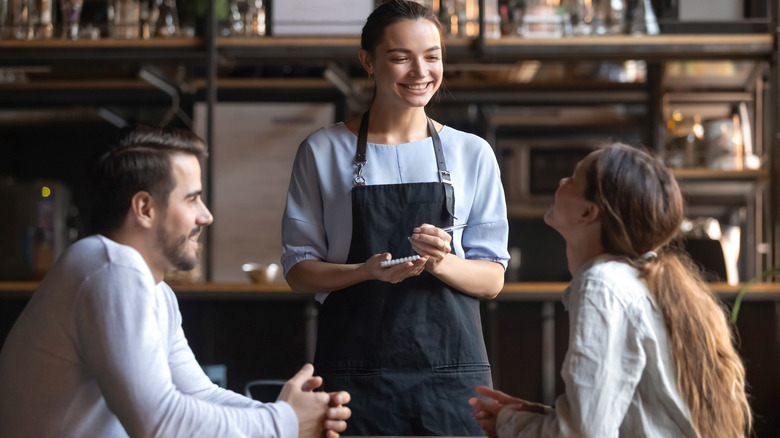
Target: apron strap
{"x": 444, "y": 174}
{"x": 441, "y": 165}
{"x": 360, "y": 155}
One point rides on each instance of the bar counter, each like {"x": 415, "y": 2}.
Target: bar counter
{"x": 525, "y": 328}
{"x": 517, "y": 291}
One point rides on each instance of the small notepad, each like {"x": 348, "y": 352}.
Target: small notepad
{"x": 388, "y": 263}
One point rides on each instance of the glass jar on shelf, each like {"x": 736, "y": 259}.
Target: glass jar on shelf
{"x": 686, "y": 147}
{"x": 247, "y": 18}
{"x": 71, "y": 15}
{"x": 468, "y": 17}
{"x": 124, "y": 19}
{"x": 543, "y": 19}
{"x": 26, "y": 19}
{"x": 492, "y": 19}
{"x": 448, "y": 16}
{"x": 643, "y": 20}
{"x": 597, "y": 17}
{"x": 16, "y": 24}
{"x": 167, "y": 19}
{"x": 612, "y": 14}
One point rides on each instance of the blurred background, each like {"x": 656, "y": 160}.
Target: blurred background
{"x": 544, "y": 81}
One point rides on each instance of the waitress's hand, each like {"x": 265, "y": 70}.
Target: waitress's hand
{"x": 396, "y": 273}
{"x": 431, "y": 243}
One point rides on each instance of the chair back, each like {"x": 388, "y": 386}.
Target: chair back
{"x": 264, "y": 390}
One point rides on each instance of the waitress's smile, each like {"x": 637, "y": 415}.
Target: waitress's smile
{"x": 421, "y": 88}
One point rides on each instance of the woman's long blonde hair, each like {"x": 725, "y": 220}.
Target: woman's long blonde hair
{"x": 642, "y": 209}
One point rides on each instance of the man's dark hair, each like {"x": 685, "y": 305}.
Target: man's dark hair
{"x": 138, "y": 161}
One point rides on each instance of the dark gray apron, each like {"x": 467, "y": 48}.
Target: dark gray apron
{"x": 410, "y": 353}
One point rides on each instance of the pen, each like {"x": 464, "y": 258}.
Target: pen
{"x": 453, "y": 228}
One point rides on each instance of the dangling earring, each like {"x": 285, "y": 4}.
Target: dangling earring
{"x": 370, "y": 75}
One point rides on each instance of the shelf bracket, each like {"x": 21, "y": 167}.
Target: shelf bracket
{"x": 355, "y": 94}
{"x": 156, "y": 78}
{"x": 112, "y": 117}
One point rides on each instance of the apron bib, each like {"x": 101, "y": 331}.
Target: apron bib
{"x": 409, "y": 353}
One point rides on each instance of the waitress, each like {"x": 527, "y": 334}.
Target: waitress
{"x": 405, "y": 340}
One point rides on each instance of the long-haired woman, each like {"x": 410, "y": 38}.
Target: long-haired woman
{"x": 650, "y": 350}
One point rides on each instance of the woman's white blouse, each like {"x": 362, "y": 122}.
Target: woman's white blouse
{"x": 317, "y": 223}
{"x": 619, "y": 371}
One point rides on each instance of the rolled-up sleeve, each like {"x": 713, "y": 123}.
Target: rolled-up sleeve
{"x": 303, "y": 232}
{"x": 486, "y": 237}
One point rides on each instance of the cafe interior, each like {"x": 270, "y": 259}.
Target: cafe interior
{"x": 543, "y": 81}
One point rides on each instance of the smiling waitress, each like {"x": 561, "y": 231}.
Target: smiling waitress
{"x": 405, "y": 340}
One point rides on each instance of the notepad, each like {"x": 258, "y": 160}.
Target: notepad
{"x": 388, "y": 263}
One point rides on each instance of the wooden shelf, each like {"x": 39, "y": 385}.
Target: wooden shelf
{"x": 159, "y": 49}
{"x": 77, "y": 84}
{"x": 323, "y": 50}
{"x": 314, "y": 49}
{"x": 55, "y": 43}
{"x": 267, "y": 83}
{"x": 682, "y": 46}
{"x": 722, "y": 175}
{"x": 721, "y": 184}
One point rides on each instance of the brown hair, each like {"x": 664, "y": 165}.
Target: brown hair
{"x": 642, "y": 209}
{"x": 392, "y": 12}
{"x": 138, "y": 161}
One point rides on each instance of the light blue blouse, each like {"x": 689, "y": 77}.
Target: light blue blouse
{"x": 317, "y": 222}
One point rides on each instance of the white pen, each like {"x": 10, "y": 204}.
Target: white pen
{"x": 453, "y": 228}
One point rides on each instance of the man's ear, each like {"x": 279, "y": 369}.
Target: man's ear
{"x": 143, "y": 209}
{"x": 366, "y": 61}
{"x": 592, "y": 213}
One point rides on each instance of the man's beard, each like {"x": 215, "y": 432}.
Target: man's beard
{"x": 175, "y": 251}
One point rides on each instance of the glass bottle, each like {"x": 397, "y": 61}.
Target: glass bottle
{"x": 643, "y": 21}
{"x": 247, "y": 18}
{"x": 543, "y": 19}
{"x": 71, "y": 14}
{"x": 167, "y": 20}
{"x": 18, "y": 24}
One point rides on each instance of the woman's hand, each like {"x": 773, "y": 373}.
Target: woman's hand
{"x": 396, "y": 273}
{"x": 486, "y": 411}
{"x": 431, "y": 242}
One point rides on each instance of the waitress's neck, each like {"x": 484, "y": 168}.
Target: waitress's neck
{"x": 397, "y": 126}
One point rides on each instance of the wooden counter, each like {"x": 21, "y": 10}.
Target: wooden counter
{"x": 521, "y": 291}
{"x": 266, "y": 331}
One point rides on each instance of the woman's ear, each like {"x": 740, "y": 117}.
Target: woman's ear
{"x": 366, "y": 61}
{"x": 143, "y": 209}
{"x": 590, "y": 214}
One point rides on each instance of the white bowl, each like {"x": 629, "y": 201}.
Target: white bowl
{"x": 261, "y": 273}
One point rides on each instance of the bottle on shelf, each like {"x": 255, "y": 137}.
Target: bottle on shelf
{"x": 643, "y": 21}
{"x": 124, "y": 19}
{"x": 543, "y": 19}
{"x": 167, "y": 19}
{"x": 26, "y": 19}
{"x": 247, "y": 18}
{"x": 71, "y": 14}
